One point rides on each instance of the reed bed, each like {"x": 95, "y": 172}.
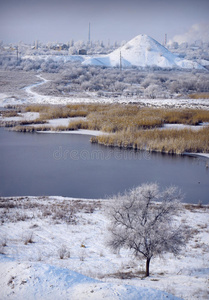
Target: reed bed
{"x": 199, "y": 96}
{"x": 30, "y": 122}
{"x": 186, "y": 116}
{"x": 9, "y": 114}
{"x": 132, "y": 126}
{"x": 56, "y": 112}
{"x": 115, "y": 117}
{"x": 165, "y": 141}
{"x": 31, "y": 128}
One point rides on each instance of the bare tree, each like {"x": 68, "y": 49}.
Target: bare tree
{"x": 143, "y": 220}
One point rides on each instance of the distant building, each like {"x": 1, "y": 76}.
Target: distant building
{"x": 60, "y": 47}
{"x": 82, "y": 52}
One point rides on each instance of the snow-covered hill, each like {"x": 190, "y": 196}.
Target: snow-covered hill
{"x": 142, "y": 51}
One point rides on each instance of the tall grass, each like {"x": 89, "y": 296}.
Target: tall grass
{"x": 129, "y": 126}
{"x": 185, "y": 116}
{"x": 199, "y": 96}
{"x": 56, "y": 112}
{"x": 166, "y": 141}
{"x": 114, "y": 117}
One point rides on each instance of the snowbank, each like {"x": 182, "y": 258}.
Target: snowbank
{"x": 42, "y": 281}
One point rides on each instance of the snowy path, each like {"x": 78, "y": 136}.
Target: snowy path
{"x": 37, "y": 98}
{"x": 29, "y": 90}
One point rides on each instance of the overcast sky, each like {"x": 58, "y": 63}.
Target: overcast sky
{"x": 116, "y": 20}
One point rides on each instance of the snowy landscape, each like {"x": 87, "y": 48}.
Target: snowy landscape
{"x": 54, "y": 247}
{"x": 48, "y": 242}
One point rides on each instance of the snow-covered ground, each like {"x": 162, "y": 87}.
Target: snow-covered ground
{"x": 53, "y": 100}
{"x": 79, "y": 131}
{"x": 37, "y": 231}
{"x": 35, "y": 98}
{"x": 28, "y": 116}
{"x": 183, "y": 126}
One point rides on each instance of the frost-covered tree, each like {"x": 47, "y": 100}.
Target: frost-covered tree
{"x": 143, "y": 220}
{"x": 152, "y": 90}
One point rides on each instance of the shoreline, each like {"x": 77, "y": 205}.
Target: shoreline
{"x": 79, "y": 131}
{"x": 203, "y": 155}
{"x": 100, "y": 133}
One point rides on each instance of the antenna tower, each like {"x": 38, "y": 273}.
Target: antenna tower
{"x": 165, "y": 39}
{"x": 89, "y": 35}
{"x": 17, "y": 52}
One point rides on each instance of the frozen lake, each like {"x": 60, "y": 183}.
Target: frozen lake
{"x": 69, "y": 165}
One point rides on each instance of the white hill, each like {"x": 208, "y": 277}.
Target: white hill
{"x": 142, "y": 51}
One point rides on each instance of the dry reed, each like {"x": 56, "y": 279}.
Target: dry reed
{"x": 128, "y": 123}
{"x": 166, "y": 141}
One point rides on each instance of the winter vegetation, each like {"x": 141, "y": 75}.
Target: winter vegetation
{"x": 128, "y": 126}
{"x": 170, "y": 141}
{"x": 101, "y": 82}
{"x": 110, "y": 82}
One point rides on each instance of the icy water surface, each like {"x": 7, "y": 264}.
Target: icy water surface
{"x": 69, "y": 165}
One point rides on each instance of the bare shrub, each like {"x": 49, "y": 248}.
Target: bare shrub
{"x": 101, "y": 254}
{"x": 46, "y": 212}
{"x": 3, "y": 242}
{"x": 63, "y": 252}
{"x": 82, "y": 255}
{"x": 63, "y": 213}
{"x": 28, "y": 238}
{"x": 7, "y": 203}
{"x": 2, "y": 250}
{"x": 39, "y": 257}
{"x": 20, "y": 216}
{"x": 11, "y": 281}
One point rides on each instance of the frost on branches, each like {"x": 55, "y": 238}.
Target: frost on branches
{"x": 144, "y": 221}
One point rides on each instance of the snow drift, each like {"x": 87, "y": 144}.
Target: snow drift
{"x": 142, "y": 51}
{"x": 46, "y": 282}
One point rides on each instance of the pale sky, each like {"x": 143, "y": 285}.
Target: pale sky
{"x": 116, "y": 20}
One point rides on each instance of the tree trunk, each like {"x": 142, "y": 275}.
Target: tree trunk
{"x": 147, "y": 266}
